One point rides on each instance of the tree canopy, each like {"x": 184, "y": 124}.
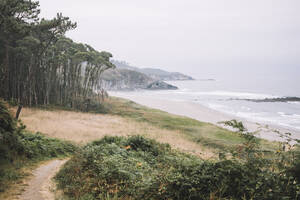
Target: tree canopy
{"x": 38, "y": 64}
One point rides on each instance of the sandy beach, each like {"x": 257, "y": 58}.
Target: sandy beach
{"x": 202, "y": 113}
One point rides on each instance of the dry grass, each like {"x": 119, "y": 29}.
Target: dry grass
{"x": 74, "y": 126}
{"x": 85, "y": 127}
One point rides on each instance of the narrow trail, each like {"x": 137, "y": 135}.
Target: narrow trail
{"x": 40, "y": 184}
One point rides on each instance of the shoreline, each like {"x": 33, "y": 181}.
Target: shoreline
{"x": 205, "y": 114}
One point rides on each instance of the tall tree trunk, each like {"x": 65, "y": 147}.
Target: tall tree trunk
{"x": 19, "y": 111}
{"x": 5, "y": 71}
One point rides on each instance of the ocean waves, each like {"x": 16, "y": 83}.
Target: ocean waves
{"x": 228, "y": 94}
{"x": 268, "y": 115}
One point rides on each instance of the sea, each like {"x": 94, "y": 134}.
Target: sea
{"x": 233, "y": 97}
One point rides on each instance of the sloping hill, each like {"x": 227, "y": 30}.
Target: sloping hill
{"x": 154, "y": 73}
{"x": 126, "y": 79}
{"x": 164, "y": 75}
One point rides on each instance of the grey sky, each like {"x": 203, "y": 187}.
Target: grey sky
{"x": 199, "y": 37}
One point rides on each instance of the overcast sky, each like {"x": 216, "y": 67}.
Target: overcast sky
{"x": 203, "y": 38}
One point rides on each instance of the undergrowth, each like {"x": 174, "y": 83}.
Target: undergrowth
{"x": 19, "y": 148}
{"x": 140, "y": 168}
{"x": 92, "y": 105}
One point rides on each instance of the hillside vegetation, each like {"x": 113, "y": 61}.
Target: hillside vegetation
{"x": 203, "y": 133}
{"x": 19, "y": 148}
{"x": 41, "y": 67}
{"x": 121, "y": 118}
{"x": 139, "y": 168}
{"x": 135, "y": 167}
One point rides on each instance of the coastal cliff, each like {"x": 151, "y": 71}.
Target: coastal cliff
{"x": 126, "y": 77}
{"x": 155, "y": 73}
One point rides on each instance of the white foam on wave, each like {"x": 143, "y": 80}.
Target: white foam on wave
{"x": 293, "y": 102}
{"x": 218, "y": 107}
{"x": 229, "y": 94}
{"x": 289, "y": 121}
{"x": 291, "y": 116}
{"x": 184, "y": 89}
{"x": 282, "y": 119}
{"x": 246, "y": 108}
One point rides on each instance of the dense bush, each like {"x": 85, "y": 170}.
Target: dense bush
{"x": 37, "y": 145}
{"x": 10, "y": 144}
{"x": 140, "y": 168}
{"x": 230, "y": 180}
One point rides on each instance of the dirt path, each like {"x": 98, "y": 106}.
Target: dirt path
{"x": 40, "y": 185}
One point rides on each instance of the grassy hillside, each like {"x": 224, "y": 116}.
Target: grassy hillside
{"x": 203, "y": 133}
{"x": 218, "y": 163}
{"x": 139, "y": 168}
{"x": 123, "y": 118}
{"x": 82, "y": 128}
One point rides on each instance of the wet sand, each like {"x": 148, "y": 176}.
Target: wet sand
{"x": 204, "y": 114}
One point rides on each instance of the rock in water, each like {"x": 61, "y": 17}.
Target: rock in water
{"x": 159, "y": 85}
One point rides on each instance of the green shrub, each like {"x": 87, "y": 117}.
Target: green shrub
{"x": 6, "y": 121}
{"x": 230, "y": 180}
{"x": 8, "y": 134}
{"x": 140, "y": 168}
{"x": 37, "y": 145}
{"x": 117, "y": 166}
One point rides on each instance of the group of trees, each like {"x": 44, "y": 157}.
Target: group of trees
{"x": 38, "y": 64}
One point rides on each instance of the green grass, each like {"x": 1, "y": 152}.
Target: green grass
{"x": 200, "y": 132}
{"x": 205, "y": 134}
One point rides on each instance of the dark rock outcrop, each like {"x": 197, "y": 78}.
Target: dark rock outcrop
{"x": 282, "y": 99}
{"x": 160, "y": 85}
